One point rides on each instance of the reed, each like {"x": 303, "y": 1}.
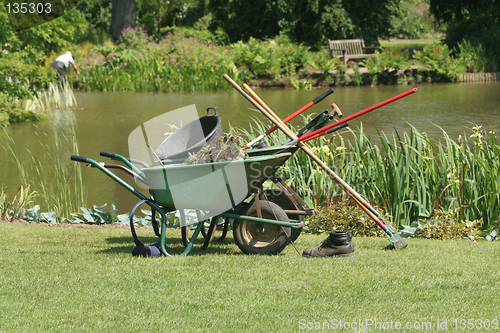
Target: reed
{"x": 57, "y": 182}
{"x": 174, "y": 63}
{"x": 54, "y": 97}
{"x": 153, "y": 76}
{"x": 16, "y": 208}
{"x": 407, "y": 174}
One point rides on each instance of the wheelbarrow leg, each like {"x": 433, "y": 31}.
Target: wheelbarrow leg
{"x": 224, "y": 230}
{"x": 211, "y": 231}
{"x": 189, "y": 245}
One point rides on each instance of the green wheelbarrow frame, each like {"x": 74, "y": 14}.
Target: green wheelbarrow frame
{"x": 275, "y": 162}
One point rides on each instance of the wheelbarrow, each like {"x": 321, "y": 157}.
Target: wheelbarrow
{"x": 230, "y": 190}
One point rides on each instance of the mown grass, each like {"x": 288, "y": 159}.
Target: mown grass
{"x": 408, "y": 43}
{"x": 85, "y": 280}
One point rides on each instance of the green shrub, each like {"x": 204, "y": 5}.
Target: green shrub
{"x": 482, "y": 30}
{"x": 444, "y": 224}
{"x": 406, "y": 23}
{"x": 8, "y": 39}
{"x": 20, "y": 80}
{"x": 385, "y": 64}
{"x": 57, "y": 35}
{"x": 475, "y": 58}
{"x": 437, "y": 61}
{"x": 175, "y": 63}
{"x": 272, "y": 58}
{"x": 342, "y": 214}
{"x": 11, "y": 112}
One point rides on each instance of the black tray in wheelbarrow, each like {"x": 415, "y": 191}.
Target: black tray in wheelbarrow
{"x": 190, "y": 138}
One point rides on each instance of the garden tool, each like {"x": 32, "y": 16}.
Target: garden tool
{"x": 394, "y": 237}
{"x": 287, "y": 119}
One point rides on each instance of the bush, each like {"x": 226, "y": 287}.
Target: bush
{"x": 8, "y": 39}
{"x": 174, "y": 63}
{"x": 272, "y": 58}
{"x": 389, "y": 59}
{"x": 176, "y": 48}
{"x": 405, "y": 23}
{"x": 342, "y": 214}
{"x": 11, "y": 112}
{"x": 20, "y": 80}
{"x": 437, "y": 61}
{"x": 55, "y": 36}
{"x": 475, "y": 58}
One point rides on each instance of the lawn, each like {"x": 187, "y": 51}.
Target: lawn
{"x": 56, "y": 279}
{"x": 408, "y": 42}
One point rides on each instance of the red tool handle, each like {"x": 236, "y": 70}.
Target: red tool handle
{"x": 324, "y": 130}
{"x": 302, "y": 109}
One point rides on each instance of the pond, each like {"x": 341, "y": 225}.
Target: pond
{"x": 106, "y": 119}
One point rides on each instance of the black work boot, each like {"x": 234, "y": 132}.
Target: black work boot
{"x": 338, "y": 244}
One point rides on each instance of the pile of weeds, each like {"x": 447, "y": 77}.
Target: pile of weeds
{"x": 224, "y": 149}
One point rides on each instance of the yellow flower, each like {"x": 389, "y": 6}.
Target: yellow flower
{"x": 476, "y": 135}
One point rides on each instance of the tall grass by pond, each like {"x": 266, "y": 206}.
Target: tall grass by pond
{"x": 152, "y": 75}
{"x": 173, "y": 63}
{"x": 54, "y": 97}
{"x": 55, "y": 182}
{"x": 407, "y": 174}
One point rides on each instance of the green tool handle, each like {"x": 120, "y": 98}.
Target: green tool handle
{"x": 124, "y": 160}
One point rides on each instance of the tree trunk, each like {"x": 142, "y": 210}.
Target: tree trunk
{"x": 122, "y": 17}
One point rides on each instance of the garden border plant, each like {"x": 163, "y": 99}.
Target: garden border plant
{"x": 408, "y": 175}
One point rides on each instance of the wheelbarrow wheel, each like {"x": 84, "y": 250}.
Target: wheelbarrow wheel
{"x": 281, "y": 199}
{"x": 261, "y": 238}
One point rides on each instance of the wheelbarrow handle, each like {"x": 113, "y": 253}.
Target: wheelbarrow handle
{"x": 79, "y": 158}
{"x": 107, "y": 154}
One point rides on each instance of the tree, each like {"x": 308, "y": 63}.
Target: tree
{"x": 122, "y": 16}
{"x": 477, "y": 21}
{"x": 453, "y": 11}
{"x": 309, "y": 22}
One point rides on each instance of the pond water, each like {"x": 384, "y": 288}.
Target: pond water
{"x": 106, "y": 119}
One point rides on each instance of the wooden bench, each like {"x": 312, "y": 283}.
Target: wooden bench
{"x": 349, "y": 49}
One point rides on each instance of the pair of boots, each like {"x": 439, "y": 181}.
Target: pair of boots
{"x": 338, "y": 244}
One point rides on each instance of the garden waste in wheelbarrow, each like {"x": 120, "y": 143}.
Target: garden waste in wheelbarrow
{"x": 220, "y": 190}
